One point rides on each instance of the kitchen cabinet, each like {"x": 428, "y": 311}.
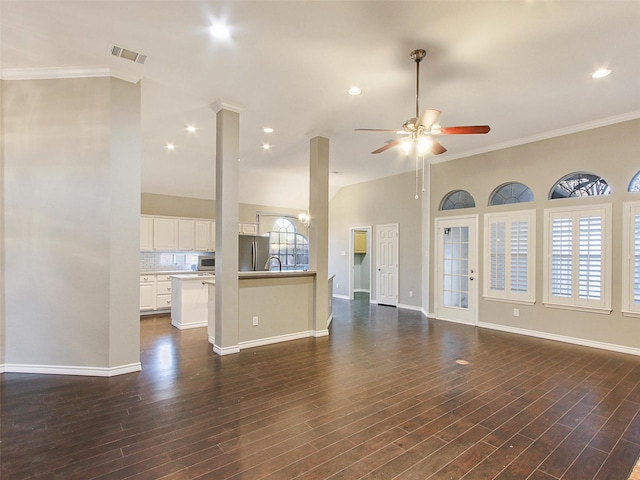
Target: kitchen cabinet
{"x": 205, "y": 236}
{"x": 155, "y": 292}
{"x": 165, "y": 233}
{"x": 147, "y": 292}
{"x": 179, "y": 234}
{"x": 248, "y": 229}
{"x": 146, "y": 233}
{"x": 163, "y": 292}
{"x": 186, "y": 235}
{"x": 360, "y": 241}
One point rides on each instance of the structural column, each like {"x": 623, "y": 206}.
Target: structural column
{"x": 225, "y": 323}
{"x": 319, "y": 229}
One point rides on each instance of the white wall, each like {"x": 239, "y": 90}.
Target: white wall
{"x": 72, "y": 203}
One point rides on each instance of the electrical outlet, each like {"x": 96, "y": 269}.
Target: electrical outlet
{"x": 337, "y": 286}
{"x": 516, "y": 312}
{"x": 255, "y": 321}
{"x": 411, "y": 293}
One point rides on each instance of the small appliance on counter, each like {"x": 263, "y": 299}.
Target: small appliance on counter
{"x": 207, "y": 263}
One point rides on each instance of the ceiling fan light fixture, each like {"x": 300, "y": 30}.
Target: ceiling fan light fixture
{"x": 423, "y": 146}
{"x": 405, "y": 145}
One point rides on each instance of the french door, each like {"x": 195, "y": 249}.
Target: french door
{"x": 456, "y": 271}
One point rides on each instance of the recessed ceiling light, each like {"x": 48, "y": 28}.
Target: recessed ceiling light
{"x": 267, "y": 130}
{"x": 170, "y": 146}
{"x": 601, "y": 73}
{"x": 190, "y": 128}
{"x": 266, "y": 146}
{"x": 354, "y": 91}
{"x": 219, "y": 31}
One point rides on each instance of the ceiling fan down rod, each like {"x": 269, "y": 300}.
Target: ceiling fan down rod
{"x": 417, "y": 56}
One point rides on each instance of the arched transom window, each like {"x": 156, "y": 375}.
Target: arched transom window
{"x": 580, "y": 184}
{"x": 512, "y": 192}
{"x": 457, "y": 199}
{"x": 634, "y": 185}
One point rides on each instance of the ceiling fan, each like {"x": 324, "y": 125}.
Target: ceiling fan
{"x": 418, "y": 130}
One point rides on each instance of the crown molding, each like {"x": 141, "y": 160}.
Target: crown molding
{"x": 52, "y": 73}
{"x": 581, "y": 127}
{"x": 219, "y": 105}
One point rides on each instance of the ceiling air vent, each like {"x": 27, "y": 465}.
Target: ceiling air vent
{"x": 117, "y": 51}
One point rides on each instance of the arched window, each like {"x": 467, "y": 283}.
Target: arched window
{"x": 512, "y": 192}
{"x": 290, "y": 247}
{"x": 457, "y": 199}
{"x": 580, "y": 184}
{"x": 634, "y": 185}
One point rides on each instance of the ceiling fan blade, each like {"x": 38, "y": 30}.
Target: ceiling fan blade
{"x": 387, "y": 146}
{"x": 437, "y": 148}
{"x": 464, "y": 130}
{"x": 428, "y": 118}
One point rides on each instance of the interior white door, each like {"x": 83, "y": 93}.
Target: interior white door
{"x": 456, "y": 269}
{"x": 387, "y": 264}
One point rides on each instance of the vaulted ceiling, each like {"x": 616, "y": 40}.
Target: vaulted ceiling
{"x": 523, "y": 67}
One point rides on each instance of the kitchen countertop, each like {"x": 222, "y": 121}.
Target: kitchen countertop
{"x": 276, "y": 274}
{"x": 193, "y": 276}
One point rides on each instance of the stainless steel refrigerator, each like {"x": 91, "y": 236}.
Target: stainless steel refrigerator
{"x": 253, "y": 252}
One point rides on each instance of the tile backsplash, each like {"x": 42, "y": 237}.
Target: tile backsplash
{"x": 169, "y": 261}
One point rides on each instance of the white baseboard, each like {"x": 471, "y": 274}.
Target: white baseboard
{"x": 72, "y": 370}
{"x": 329, "y": 320}
{"x": 344, "y": 297}
{"x": 321, "y": 333}
{"x": 562, "y": 338}
{"x": 410, "y": 307}
{"x": 277, "y": 339}
{"x": 361, "y": 290}
{"x": 189, "y": 325}
{"x": 226, "y": 350}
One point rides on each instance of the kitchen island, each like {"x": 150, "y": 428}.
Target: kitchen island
{"x": 190, "y": 299}
{"x": 273, "y": 307}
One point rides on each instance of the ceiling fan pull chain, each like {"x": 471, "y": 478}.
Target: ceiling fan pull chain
{"x": 422, "y": 173}
{"x": 416, "y": 154}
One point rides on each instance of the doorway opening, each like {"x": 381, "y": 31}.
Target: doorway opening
{"x": 360, "y": 263}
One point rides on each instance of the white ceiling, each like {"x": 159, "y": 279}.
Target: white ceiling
{"x": 522, "y": 67}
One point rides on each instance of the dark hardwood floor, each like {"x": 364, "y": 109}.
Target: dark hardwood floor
{"x": 382, "y": 397}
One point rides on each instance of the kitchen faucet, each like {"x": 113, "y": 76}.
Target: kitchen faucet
{"x": 266, "y": 265}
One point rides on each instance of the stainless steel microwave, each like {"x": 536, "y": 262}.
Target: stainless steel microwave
{"x": 207, "y": 263}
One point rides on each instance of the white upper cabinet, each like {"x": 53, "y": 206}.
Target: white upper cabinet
{"x": 146, "y": 233}
{"x": 205, "y": 235}
{"x": 248, "y": 228}
{"x": 165, "y": 233}
{"x": 177, "y": 234}
{"x": 186, "y": 235}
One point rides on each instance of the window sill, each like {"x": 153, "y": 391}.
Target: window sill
{"x": 579, "y": 308}
{"x": 627, "y": 313}
{"x": 509, "y": 300}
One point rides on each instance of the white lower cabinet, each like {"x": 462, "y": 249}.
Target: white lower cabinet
{"x": 147, "y": 292}
{"x": 155, "y": 292}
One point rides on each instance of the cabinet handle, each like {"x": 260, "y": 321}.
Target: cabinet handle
{"x": 168, "y": 289}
